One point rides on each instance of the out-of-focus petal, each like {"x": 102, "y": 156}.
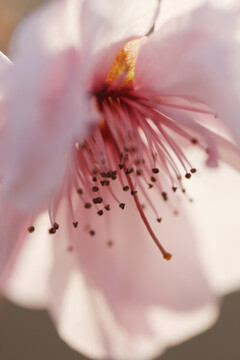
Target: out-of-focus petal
{"x": 173, "y": 8}
{"x": 10, "y": 237}
{"x": 194, "y": 56}
{"x": 106, "y": 293}
{"x": 44, "y": 96}
{"x": 28, "y": 280}
{"x": 215, "y": 218}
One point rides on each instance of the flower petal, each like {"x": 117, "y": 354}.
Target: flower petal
{"x": 44, "y": 96}
{"x": 173, "y": 8}
{"x": 28, "y": 280}
{"x": 108, "y": 293}
{"x": 215, "y": 218}
{"x": 195, "y": 56}
{"x": 11, "y": 236}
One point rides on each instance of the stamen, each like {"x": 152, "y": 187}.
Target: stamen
{"x": 135, "y": 146}
{"x": 31, "y": 229}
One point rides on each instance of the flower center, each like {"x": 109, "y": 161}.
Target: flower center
{"x": 134, "y": 148}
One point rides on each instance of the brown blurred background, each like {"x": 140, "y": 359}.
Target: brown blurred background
{"x": 30, "y": 335}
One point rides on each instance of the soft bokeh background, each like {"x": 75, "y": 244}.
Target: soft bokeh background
{"x": 30, "y": 335}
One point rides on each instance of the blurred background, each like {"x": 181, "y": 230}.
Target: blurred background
{"x": 30, "y": 335}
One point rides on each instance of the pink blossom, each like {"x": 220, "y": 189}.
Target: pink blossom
{"x": 102, "y": 127}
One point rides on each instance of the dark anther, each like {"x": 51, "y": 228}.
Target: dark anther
{"x": 164, "y": 195}
{"x": 105, "y": 182}
{"x": 193, "y": 171}
{"x": 100, "y": 212}
{"x": 97, "y": 200}
{"x": 103, "y": 174}
{"x": 122, "y": 205}
{"x": 80, "y": 191}
{"x": 183, "y": 191}
{"x": 133, "y": 192}
{"x": 31, "y": 229}
{"x": 95, "y": 188}
{"x": 52, "y": 230}
{"x": 107, "y": 207}
{"x": 194, "y": 141}
{"x": 92, "y": 232}
{"x": 126, "y": 188}
{"x": 75, "y": 224}
{"x": 159, "y": 220}
{"x": 87, "y": 205}
{"x": 155, "y": 171}
{"x": 174, "y": 188}
{"x": 129, "y": 171}
{"x": 113, "y": 176}
{"x": 110, "y": 243}
{"x": 121, "y": 166}
{"x": 138, "y": 172}
{"x": 94, "y": 179}
{"x": 153, "y": 179}
{"x": 56, "y": 226}
{"x": 188, "y": 175}
{"x": 150, "y": 186}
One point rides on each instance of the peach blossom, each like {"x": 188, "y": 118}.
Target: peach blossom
{"x": 106, "y": 120}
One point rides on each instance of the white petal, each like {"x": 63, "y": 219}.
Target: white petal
{"x": 215, "y": 217}
{"x": 28, "y": 281}
{"x": 115, "y": 302}
{"x": 172, "y": 8}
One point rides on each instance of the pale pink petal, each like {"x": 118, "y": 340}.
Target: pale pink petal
{"x": 215, "y": 218}
{"x": 27, "y": 283}
{"x": 195, "y": 56}
{"x": 11, "y": 235}
{"x": 44, "y": 97}
{"x": 173, "y": 8}
{"x": 105, "y": 295}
